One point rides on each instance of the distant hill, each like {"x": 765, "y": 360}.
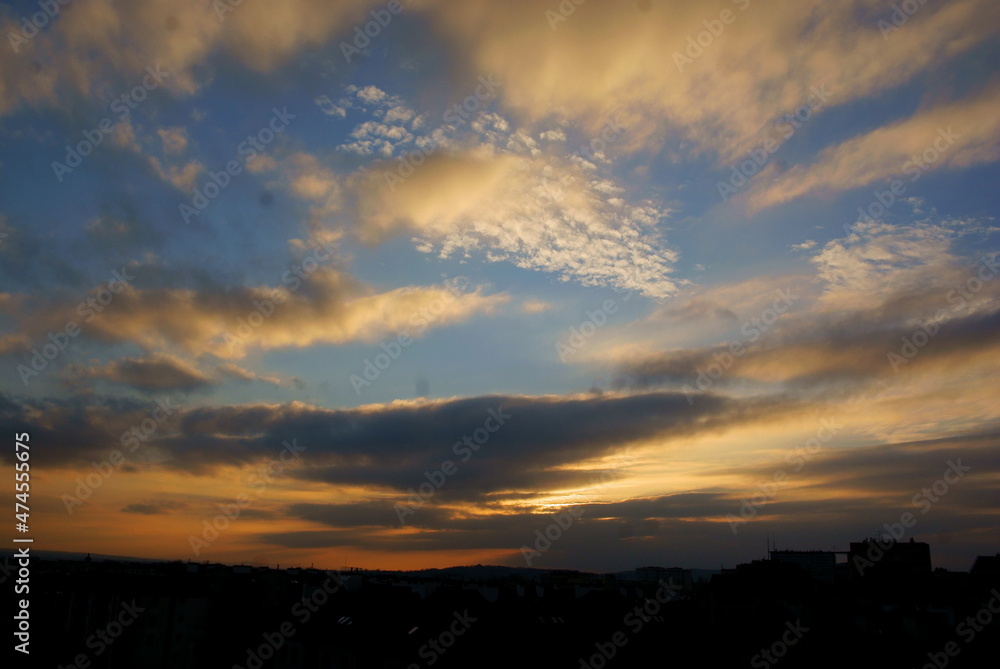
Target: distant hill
{"x": 469, "y": 572}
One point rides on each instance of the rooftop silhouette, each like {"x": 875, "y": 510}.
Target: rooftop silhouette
{"x": 878, "y": 604}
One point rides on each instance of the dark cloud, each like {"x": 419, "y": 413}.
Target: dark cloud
{"x": 157, "y": 373}
{"x": 120, "y": 227}
{"x": 820, "y": 352}
{"x": 382, "y": 513}
{"x": 690, "y": 530}
{"x": 698, "y": 309}
{"x": 153, "y": 508}
{"x": 395, "y": 446}
{"x": 81, "y": 430}
{"x": 852, "y": 492}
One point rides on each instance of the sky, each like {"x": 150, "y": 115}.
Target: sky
{"x": 584, "y": 285}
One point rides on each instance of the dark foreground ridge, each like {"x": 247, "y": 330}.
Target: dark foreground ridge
{"x": 879, "y": 605}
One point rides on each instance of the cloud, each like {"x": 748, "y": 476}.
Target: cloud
{"x": 512, "y": 523}
{"x": 328, "y": 107}
{"x": 533, "y": 306}
{"x": 372, "y": 95}
{"x": 823, "y": 354}
{"x": 881, "y": 472}
{"x": 174, "y": 139}
{"x": 847, "y": 489}
{"x": 540, "y": 442}
{"x": 374, "y": 137}
{"x": 876, "y": 261}
{"x": 119, "y": 226}
{"x": 159, "y": 372}
{"x": 236, "y": 372}
{"x": 541, "y": 447}
{"x": 873, "y": 290}
{"x": 315, "y": 183}
{"x": 182, "y": 178}
{"x": 104, "y": 40}
{"x": 483, "y": 185}
{"x": 533, "y": 212}
{"x": 153, "y": 508}
{"x": 85, "y": 429}
{"x": 325, "y": 306}
{"x": 950, "y": 136}
{"x": 763, "y": 65}
{"x": 698, "y": 316}
{"x": 168, "y": 167}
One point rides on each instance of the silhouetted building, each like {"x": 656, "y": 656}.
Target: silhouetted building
{"x": 988, "y": 565}
{"x": 680, "y": 577}
{"x": 888, "y": 557}
{"x": 821, "y": 565}
{"x": 206, "y": 616}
